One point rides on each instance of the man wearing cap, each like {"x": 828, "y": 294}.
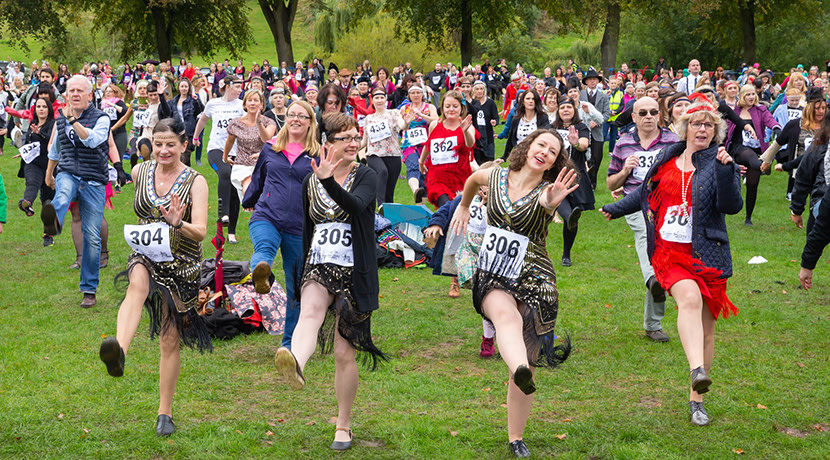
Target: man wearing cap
{"x": 345, "y": 77}
{"x": 688, "y": 83}
{"x": 435, "y": 80}
{"x": 632, "y": 157}
{"x": 596, "y": 97}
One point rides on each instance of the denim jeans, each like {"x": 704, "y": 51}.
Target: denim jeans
{"x": 609, "y": 134}
{"x": 90, "y": 197}
{"x": 266, "y": 240}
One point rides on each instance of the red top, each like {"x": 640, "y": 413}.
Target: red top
{"x": 448, "y": 162}
{"x": 667, "y": 199}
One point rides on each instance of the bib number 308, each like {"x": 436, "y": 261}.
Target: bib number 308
{"x": 503, "y": 252}
{"x": 151, "y": 240}
{"x": 332, "y": 244}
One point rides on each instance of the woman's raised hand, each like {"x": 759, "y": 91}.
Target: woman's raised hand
{"x": 326, "y": 167}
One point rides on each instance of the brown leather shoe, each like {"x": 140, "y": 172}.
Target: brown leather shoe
{"x": 657, "y": 336}
{"x": 455, "y": 289}
{"x": 261, "y": 278}
{"x": 89, "y": 301}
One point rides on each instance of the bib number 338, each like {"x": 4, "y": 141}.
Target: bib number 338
{"x": 150, "y": 240}
{"x": 503, "y": 252}
{"x": 332, "y": 244}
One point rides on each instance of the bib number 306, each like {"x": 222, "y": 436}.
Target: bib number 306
{"x": 150, "y": 240}
{"x": 503, "y": 252}
{"x": 332, "y": 244}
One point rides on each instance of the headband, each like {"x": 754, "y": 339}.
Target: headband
{"x": 679, "y": 100}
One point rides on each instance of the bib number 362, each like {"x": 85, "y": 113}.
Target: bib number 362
{"x": 332, "y": 244}
{"x": 502, "y": 252}
{"x": 150, "y": 240}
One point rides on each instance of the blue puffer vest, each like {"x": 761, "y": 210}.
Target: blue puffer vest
{"x": 88, "y": 163}
{"x": 716, "y": 191}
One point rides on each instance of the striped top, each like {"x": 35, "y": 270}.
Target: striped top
{"x": 628, "y": 145}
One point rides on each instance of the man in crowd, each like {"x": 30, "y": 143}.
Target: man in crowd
{"x": 688, "y": 83}
{"x": 595, "y": 96}
{"x": 435, "y": 80}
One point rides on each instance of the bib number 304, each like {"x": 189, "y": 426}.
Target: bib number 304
{"x": 503, "y": 252}
{"x": 150, "y": 240}
{"x": 332, "y": 244}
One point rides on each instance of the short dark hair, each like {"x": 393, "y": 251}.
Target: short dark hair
{"x": 331, "y": 89}
{"x": 47, "y": 70}
{"x": 173, "y": 125}
{"x": 337, "y": 123}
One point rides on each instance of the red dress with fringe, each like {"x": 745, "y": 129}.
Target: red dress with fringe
{"x": 448, "y": 177}
{"x": 673, "y": 261}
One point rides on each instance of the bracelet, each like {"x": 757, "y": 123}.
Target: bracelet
{"x": 181, "y": 224}
{"x": 72, "y": 120}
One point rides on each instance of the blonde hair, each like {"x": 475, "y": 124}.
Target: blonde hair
{"x": 248, "y": 95}
{"x": 745, "y": 90}
{"x": 696, "y": 111}
{"x": 310, "y": 142}
{"x": 797, "y": 76}
{"x": 141, "y": 84}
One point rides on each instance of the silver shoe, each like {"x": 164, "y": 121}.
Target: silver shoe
{"x": 699, "y": 415}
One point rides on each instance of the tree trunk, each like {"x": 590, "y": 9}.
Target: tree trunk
{"x": 747, "y": 15}
{"x": 162, "y": 33}
{"x": 280, "y": 19}
{"x": 466, "y": 33}
{"x": 611, "y": 36}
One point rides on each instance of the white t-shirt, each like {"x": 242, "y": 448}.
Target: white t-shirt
{"x": 221, "y": 113}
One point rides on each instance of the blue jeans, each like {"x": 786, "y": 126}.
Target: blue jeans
{"x": 266, "y": 240}
{"x": 609, "y": 134}
{"x": 90, "y": 197}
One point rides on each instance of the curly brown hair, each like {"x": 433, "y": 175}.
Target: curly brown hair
{"x": 518, "y": 157}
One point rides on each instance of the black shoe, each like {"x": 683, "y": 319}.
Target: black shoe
{"x": 89, "y": 301}
{"x": 289, "y": 368}
{"x": 700, "y": 380}
{"x": 420, "y": 194}
{"x": 566, "y": 261}
{"x": 112, "y": 355}
{"x": 48, "y": 241}
{"x": 164, "y": 425}
{"x": 657, "y": 291}
{"x": 26, "y": 207}
{"x": 748, "y": 222}
{"x": 519, "y": 449}
{"x": 523, "y": 378}
{"x": 342, "y": 445}
{"x": 50, "y": 219}
{"x": 573, "y": 219}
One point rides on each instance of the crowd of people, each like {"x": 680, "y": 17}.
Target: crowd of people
{"x": 315, "y": 152}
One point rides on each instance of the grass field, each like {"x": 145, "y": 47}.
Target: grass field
{"x": 619, "y": 396}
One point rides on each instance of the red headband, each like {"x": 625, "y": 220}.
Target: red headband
{"x": 706, "y": 107}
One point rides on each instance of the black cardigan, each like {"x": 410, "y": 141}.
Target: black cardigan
{"x": 360, "y": 205}
{"x": 544, "y": 123}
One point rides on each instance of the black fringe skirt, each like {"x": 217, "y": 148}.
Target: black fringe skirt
{"x": 172, "y": 300}
{"x": 353, "y": 325}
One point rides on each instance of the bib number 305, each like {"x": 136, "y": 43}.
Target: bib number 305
{"x": 503, "y": 252}
{"x": 332, "y": 244}
{"x": 150, "y": 240}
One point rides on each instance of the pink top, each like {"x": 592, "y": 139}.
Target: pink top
{"x": 293, "y": 150}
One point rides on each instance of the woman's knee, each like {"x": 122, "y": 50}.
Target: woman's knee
{"x": 687, "y": 295}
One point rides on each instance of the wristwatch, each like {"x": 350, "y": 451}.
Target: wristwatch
{"x": 72, "y": 120}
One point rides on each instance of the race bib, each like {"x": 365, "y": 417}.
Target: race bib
{"x": 417, "y": 136}
{"x": 361, "y": 120}
{"x": 140, "y": 119}
{"x": 677, "y": 227}
{"x": 150, "y": 240}
{"x": 646, "y": 160}
{"x": 524, "y": 130}
{"x": 30, "y": 151}
{"x": 332, "y": 244}
{"x": 112, "y": 174}
{"x": 379, "y": 131}
{"x": 222, "y": 123}
{"x": 480, "y": 119}
{"x": 478, "y": 218}
{"x": 111, "y": 112}
{"x": 442, "y": 151}
{"x": 749, "y": 141}
{"x": 435, "y": 80}
{"x": 794, "y": 114}
{"x": 808, "y": 141}
{"x": 502, "y": 253}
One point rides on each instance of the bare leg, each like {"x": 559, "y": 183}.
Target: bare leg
{"x": 345, "y": 383}
{"x": 314, "y": 300}
{"x": 518, "y": 410}
{"x": 169, "y": 366}
{"x": 413, "y": 184}
{"x": 709, "y": 322}
{"x": 129, "y": 314}
{"x": 503, "y": 311}
{"x": 245, "y": 182}
{"x": 690, "y": 324}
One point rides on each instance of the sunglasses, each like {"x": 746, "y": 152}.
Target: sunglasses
{"x": 652, "y": 112}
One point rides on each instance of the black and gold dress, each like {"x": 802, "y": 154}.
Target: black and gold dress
{"x": 174, "y": 286}
{"x": 535, "y": 286}
{"x": 354, "y": 298}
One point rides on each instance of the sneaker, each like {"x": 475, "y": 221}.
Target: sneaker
{"x": 232, "y": 238}
{"x": 455, "y": 289}
{"x": 261, "y": 278}
{"x": 48, "y": 240}
{"x": 198, "y": 162}
{"x": 487, "y": 348}
{"x": 50, "y": 219}
{"x": 657, "y": 336}
{"x": 26, "y": 207}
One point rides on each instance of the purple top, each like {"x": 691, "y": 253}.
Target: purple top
{"x": 628, "y": 145}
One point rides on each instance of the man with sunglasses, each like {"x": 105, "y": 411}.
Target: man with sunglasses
{"x": 632, "y": 157}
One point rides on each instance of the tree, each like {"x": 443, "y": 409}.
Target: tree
{"x": 279, "y": 14}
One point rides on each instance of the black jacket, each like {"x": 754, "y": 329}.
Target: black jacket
{"x": 716, "y": 190}
{"x": 809, "y": 179}
{"x": 544, "y": 123}
{"x": 191, "y": 109}
{"x": 360, "y": 205}
{"x": 819, "y": 236}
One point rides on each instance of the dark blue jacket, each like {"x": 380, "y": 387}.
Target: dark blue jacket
{"x": 442, "y": 218}
{"x": 276, "y": 190}
{"x": 716, "y": 190}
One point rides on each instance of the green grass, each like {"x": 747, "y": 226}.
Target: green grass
{"x": 619, "y": 396}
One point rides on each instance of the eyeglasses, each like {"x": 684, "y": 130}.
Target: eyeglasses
{"x": 652, "y": 112}
{"x": 297, "y": 116}
{"x": 348, "y": 139}
{"x": 699, "y": 124}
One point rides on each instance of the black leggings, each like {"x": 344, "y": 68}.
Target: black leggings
{"x": 229, "y": 206}
{"x": 35, "y": 182}
{"x": 388, "y": 170}
{"x": 751, "y": 159}
{"x": 568, "y": 237}
{"x": 442, "y": 200}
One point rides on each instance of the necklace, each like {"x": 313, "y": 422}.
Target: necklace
{"x": 684, "y": 187}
